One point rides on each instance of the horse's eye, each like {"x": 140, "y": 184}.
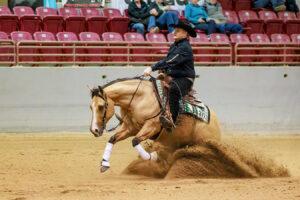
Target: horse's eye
{"x": 100, "y": 108}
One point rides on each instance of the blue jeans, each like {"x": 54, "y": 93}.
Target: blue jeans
{"x": 140, "y": 28}
{"x": 264, "y": 3}
{"x": 164, "y": 21}
{"x": 209, "y": 27}
{"x": 233, "y": 28}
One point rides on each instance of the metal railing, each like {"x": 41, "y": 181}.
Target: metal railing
{"x": 144, "y": 53}
{"x": 7, "y": 52}
{"x": 267, "y": 54}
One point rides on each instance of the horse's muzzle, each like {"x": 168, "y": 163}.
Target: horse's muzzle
{"x": 97, "y": 132}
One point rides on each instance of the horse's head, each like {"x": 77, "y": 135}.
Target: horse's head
{"x": 102, "y": 110}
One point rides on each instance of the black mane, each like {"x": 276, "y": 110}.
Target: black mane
{"x": 96, "y": 90}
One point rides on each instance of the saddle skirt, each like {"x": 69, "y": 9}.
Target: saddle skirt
{"x": 188, "y": 104}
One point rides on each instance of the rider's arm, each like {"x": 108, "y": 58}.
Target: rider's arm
{"x": 176, "y": 58}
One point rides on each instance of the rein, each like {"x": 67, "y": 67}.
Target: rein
{"x": 121, "y": 120}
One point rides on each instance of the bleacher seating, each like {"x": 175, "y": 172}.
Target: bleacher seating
{"x": 4, "y": 36}
{"x": 249, "y": 19}
{"x": 18, "y": 36}
{"x": 115, "y": 37}
{"x": 51, "y": 21}
{"x": 220, "y": 38}
{"x": 93, "y": 37}
{"x": 272, "y": 23}
{"x": 29, "y": 22}
{"x": 201, "y": 37}
{"x": 136, "y": 37}
{"x": 243, "y": 5}
{"x": 65, "y": 37}
{"x": 47, "y": 36}
{"x": 242, "y": 38}
{"x": 282, "y": 38}
{"x": 155, "y": 39}
{"x": 231, "y": 16}
{"x": 116, "y": 22}
{"x": 295, "y": 38}
{"x": 73, "y": 22}
{"x": 263, "y": 38}
{"x": 94, "y": 21}
{"x": 8, "y": 22}
{"x": 292, "y": 24}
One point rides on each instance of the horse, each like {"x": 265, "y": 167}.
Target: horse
{"x": 140, "y": 110}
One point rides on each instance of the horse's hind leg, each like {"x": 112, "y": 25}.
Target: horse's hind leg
{"x": 121, "y": 134}
{"x": 149, "y": 129}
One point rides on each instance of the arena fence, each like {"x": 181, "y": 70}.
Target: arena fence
{"x": 83, "y": 53}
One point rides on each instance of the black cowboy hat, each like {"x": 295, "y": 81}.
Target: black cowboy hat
{"x": 185, "y": 26}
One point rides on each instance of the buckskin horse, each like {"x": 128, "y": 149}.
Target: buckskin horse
{"x": 140, "y": 112}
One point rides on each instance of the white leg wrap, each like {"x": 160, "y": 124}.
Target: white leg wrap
{"x": 105, "y": 163}
{"x": 107, "y": 151}
{"x": 144, "y": 154}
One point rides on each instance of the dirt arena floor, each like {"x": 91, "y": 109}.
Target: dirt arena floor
{"x": 66, "y": 166}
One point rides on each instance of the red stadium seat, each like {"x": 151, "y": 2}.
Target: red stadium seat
{"x": 170, "y": 37}
{"x": 47, "y": 36}
{"x": 95, "y": 22}
{"x": 295, "y": 38}
{"x": 231, "y": 16}
{"x": 243, "y": 5}
{"x": 69, "y": 37}
{"x": 93, "y": 37}
{"x": 73, "y": 22}
{"x": 242, "y": 38}
{"x": 292, "y": 24}
{"x": 282, "y": 38}
{"x": 115, "y": 37}
{"x": 201, "y": 37}
{"x": 226, "y": 4}
{"x": 18, "y": 36}
{"x": 116, "y": 22}
{"x": 29, "y": 22}
{"x": 263, "y": 38}
{"x": 136, "y": 37}
{"x": 155, "y": 39}
{"x": 249, "y": 19}
{"x": 272, "y": 23}
{"x": 8, "y": 22}
{"x": 50, "y": 20}
{"x": 3, "y": 50}
{"x": 220, "y": 38}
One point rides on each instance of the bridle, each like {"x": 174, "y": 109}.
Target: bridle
{"x": 121, "y": 120}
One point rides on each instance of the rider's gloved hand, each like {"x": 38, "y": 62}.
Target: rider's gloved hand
{"x": 147, "y": 71}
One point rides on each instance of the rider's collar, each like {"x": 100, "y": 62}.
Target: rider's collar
{"x": 180, "y": 41}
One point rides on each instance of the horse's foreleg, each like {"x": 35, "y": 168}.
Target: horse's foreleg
{"x": 121, "y": 134}
{"x": 149, "y": 129}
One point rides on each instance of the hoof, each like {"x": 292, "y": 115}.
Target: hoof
{"x": 103, "y": 169}
{"x": 153, "y": 156}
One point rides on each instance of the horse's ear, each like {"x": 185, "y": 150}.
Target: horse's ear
{"x": 100, "y": 91}
{"x": 91, "y": 89}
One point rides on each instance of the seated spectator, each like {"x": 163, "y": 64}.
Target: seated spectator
{"x": 214, "y": 11}
{"x": 199, "y": 18}
{"x": 161, "y": 17}
{"x": 291, "y": 5}
{"x": 139, "y": 14}
{"x": 277, "y": 5}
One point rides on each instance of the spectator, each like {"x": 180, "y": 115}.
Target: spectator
{"x": 277, "y": 5}
{"x": 139, "y": 14}
{"x": 291, "y": 5}
{"x": 199, "y": 18}
{"x": 161, "y": 17}
{"x": 214, "y": 11}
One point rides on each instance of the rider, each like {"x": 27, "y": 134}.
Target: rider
{"x": 179, "y": 64}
